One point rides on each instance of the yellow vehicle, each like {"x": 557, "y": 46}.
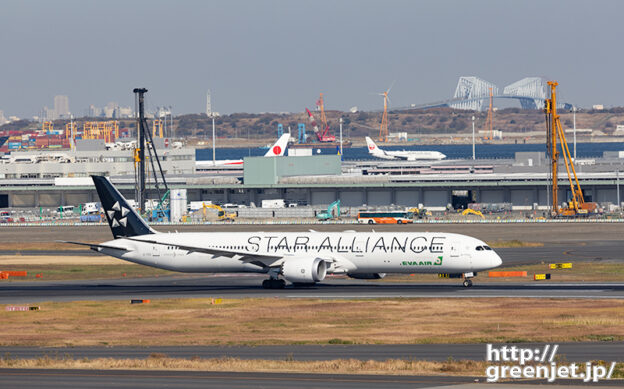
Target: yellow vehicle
{"x": 419, "y": 213}
{"x": 469, "y": 211}
{"x": 221, "y": 215}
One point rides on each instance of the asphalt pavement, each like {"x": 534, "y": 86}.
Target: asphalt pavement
{"x": 572, "y": 352}
{"x": 249, "y": 285}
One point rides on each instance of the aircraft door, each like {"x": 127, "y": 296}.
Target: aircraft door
{"x": 155, "y": 253}
{"x": 455, "y": 249}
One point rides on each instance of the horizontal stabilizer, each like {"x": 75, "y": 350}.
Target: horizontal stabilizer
{"x": 94, "y": 247}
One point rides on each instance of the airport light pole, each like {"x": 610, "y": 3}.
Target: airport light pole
{"x": 214, "y": 161}
{"x": 340, "y": 138}
{"x": 473, "y": 138}
{"x": 574, "y": 120}
{"x": 617, "y": 184}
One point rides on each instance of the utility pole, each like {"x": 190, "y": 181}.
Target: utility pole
{"x": 141, "y": 147}
{"x": 171, "y": 122}
{"x": 473, "y": 138}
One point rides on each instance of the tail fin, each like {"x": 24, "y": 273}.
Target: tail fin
{"x": 122, "y": 219}
{"x": 372, "y": 147}
{"x": 278, "y": 149}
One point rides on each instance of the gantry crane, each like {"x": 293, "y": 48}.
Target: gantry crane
{"x": 489, "y": 121}
{"x": 554, "y": 133}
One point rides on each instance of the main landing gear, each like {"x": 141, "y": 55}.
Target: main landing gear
{"x": 273, "y": 284}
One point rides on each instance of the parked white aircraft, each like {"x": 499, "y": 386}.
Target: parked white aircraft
{"x": 298, "y": 257}
{"x": 375, "y": 151}
{"x": 277, "y": 150}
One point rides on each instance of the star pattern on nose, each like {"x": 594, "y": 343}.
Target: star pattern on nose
{"x": 118, "y": 215}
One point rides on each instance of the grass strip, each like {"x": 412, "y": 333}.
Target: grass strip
{"x": 265, "y": 321}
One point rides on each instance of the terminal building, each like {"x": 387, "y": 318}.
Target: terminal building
{"x": 315, "y": 181}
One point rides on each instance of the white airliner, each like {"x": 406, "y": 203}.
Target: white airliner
{"x": 375, "y": 151}
{"x": 277, "y": 150}
{"x": 297, "y": 257}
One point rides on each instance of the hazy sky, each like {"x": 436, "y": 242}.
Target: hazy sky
{"x": 259, "y": 56}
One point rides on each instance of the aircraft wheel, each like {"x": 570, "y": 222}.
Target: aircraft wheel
{"x": 273, "y": 284}
{"x": 467, "y": 283}
{"x": 304, "y": 284}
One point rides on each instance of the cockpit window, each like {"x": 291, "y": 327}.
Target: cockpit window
{"x": 479, "y": 248}
{"x": 487, "y": 248}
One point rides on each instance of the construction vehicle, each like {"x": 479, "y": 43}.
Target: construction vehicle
{"x": 221, "y": 214}
{"x": 469, "y": 211}
{"x": 554, "y": 133}
{"x": 419, "y": 213}
{"x": 333, "y": 212}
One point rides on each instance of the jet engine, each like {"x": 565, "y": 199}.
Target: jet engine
{"x": 304, "y": 270}
{"x": 367, "y": 276}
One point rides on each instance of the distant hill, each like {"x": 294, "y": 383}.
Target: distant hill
{"x": 439, "y": 121}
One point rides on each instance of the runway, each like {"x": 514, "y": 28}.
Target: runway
{"x": 62, "y": 379}
{"x": 572, "y": 352}
{"x": 249, "y": 285}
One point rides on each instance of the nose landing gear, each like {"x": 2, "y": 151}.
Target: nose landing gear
{"x": 467, "y": 283}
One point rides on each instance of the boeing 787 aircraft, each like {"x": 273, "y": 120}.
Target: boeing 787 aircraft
{"x": 297, "y": 257}
{"x": 406, "y": 155}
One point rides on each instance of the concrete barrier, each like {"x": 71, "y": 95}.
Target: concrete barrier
{"x": 507, "y": 274}
{"x": 554, "y": 266}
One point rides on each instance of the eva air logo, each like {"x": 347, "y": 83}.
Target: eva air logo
{"x": 436, "y": 262}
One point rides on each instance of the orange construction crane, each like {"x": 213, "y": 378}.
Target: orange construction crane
{"x": 324, "y": 136}
{"x": 489, "y": 122}
{"x": 383, "y": 128}
{"x": 321, "y": 105}
{"x": 577, "y": 205}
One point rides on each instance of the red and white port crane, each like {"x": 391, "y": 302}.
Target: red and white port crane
{"x": 324, "y": 136}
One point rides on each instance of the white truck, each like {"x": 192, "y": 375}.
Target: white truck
{"x": 91, "y": 208}
{"x": 274, "y": 203}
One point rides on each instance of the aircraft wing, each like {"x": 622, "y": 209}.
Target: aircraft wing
{"x": 94, "y": 247}
{"x": 245, "y": 256}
